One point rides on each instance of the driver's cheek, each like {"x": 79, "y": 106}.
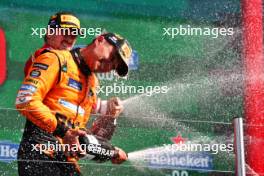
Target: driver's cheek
{"x": 57, "y": 44}
{"x": 58, "y": 41}
{"x": 107, "y": 67}
{"x": 71, "y": 39}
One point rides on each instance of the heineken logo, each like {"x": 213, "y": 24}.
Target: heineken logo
{"x": 8, "y": 151}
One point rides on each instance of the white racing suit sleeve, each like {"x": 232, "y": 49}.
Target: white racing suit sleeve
{"x": 101, "y": 107}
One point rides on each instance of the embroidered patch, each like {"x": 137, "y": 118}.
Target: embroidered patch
{"x": 41, "y": 66}
{"x": 28, "y": 87}
{"x": 20, "y": 100}
{"x": 64, "y": 67}
{"x": 31, "y": 81}
{"x": 35, "y": 73}
{"x": 75, "y": 84}
{"x": 24, "y": 93}
{"x": 71, "y": 106}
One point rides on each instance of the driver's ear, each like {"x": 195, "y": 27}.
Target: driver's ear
{"x": 99, "y": 40}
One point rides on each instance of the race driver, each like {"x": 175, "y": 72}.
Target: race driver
{"x": 62, "y": 31}
{"x": 57, "y": 97}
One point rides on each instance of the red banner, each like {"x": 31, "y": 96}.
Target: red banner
{"x": 2, "y": 57}
{"x": 254, "y": 84}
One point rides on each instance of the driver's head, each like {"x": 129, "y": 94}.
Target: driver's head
{"x": 109, "y": 51}
{"x": 62, "y": 31}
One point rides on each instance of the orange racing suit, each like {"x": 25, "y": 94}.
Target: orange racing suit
{"x": 41, "y": 95}
{"x": 58, "y": 93}
{"x": 103, "y": 127}
{"x": 33, "y": 56}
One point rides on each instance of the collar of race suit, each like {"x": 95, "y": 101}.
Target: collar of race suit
{"x": 79, "y": 60}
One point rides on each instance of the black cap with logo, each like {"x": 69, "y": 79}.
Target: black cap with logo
{"x": 64, "y": 20}
{"x": 124, "y": 51}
